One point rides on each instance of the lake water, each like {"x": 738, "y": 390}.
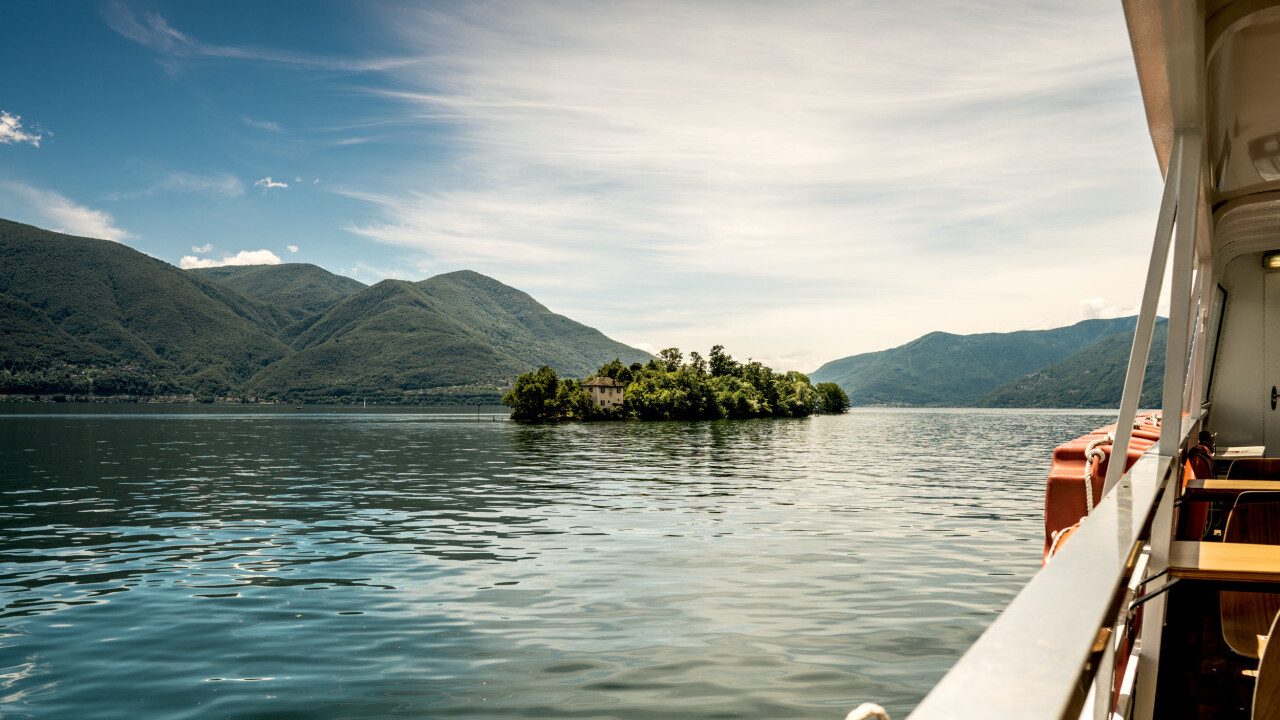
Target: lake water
{"x": 219, "y": 562}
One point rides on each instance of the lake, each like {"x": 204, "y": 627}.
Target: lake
{"x": 243, "y": 562}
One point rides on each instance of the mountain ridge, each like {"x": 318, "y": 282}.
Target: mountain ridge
{"x": 948, "y": 370}
{"x": 75, "y": 310}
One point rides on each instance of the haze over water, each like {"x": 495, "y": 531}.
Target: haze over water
{"x": 219, "y": 562}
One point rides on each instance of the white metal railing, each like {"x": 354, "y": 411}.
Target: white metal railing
{"x": 1031, "y": 662}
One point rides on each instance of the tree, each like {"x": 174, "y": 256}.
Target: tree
{"x": 697, "y": 363}
{"x": 671, "y": 358}
{"x": 574, "y": 400}
{"x": 721, "y": 363}
{"x": 533, "y": 399}
{"x": 833, "y": 397}
{"x": 617, "y": 371}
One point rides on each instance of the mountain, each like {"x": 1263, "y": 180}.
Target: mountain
{"x": 79, "y": 301}
{"x": 295, "y": 290}
{"x": 452, "y": 329}
{"x": 83, "y": 316}
{"x": 1091, "y": 378}
{"x": 941, "y": 369}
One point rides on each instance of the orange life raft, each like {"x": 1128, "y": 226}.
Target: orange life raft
{"x": 1066, "y": 498}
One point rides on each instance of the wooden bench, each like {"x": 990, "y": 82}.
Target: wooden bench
{"x": 1230, "y": 487}
{"x": 1234, "y": 562}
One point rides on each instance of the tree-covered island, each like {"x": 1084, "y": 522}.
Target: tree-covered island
{"x": 668, "y": 388}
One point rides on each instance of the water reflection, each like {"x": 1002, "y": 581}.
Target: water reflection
{"x": 408, "y": 564}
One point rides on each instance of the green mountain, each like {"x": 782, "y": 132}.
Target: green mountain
{"x": 941, "y": 369}
{"x": 452, "y": 329}
{"x": 83, "y": 316}
{"x": 1091, "y": 378}
{"x": 72, "y": 301}
{"x": 295, "y": 290}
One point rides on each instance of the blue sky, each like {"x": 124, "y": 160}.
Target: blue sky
{"x": 798, "y": 182}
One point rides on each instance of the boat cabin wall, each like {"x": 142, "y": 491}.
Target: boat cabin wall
{"x": 1243, "y": 369}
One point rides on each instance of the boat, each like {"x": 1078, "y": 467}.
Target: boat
{"x": 1161, "y": 581}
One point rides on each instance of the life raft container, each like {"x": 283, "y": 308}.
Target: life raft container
{"x": 1067, "y": 499}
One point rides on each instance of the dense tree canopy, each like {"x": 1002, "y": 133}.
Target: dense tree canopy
{"x": 834, "y": 398}
{"x": 670, "y": 389}
{"x": 536, "y": 396}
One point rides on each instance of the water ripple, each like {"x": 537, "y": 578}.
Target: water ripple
{"x": 215, "y": 562}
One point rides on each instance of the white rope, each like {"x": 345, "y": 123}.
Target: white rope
{"x": 1094, "y": 453}
{"x": 1058, "y": 537}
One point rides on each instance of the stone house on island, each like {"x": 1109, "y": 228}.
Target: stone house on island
{"x": 605, "y": 392}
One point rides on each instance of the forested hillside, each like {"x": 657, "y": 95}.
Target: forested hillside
{"x": 295, "y": 289}
{"x": 453, "y": 329}
{"x": 941, "y": 369}
{"x": 1091, "y": 378}
{"x": 82, "y": 313}
{"x": 80, "y": 316}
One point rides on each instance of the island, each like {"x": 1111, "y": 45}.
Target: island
{"x": 669, "y": 388}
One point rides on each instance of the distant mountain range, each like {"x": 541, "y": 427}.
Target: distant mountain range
{"x": 1082, "y": 365}
{"x": 80, "y": 315}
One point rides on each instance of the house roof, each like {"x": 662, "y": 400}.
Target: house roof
{"x": 601, "y": 382}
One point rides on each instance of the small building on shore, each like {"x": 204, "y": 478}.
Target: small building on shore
{"x": 605, "y": 391}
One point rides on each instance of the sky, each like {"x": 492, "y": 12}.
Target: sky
{"x": 796, "y": 181}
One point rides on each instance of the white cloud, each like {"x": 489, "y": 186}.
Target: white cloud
{"x": 797, "y": 182}
{"x": 267, "y": 183}
{"x": 1097, "y": 307}
{"x": 293, "y": 248}
{"x": 374, "y": 274}
{"x": 11, "y": 131}
{"x": 207, "y": 247}
{"x": 244, "y": 257}
{"x": 717, "y": 171}
{"x": 220, "y": 185}
{"x": 54, "y": 211}
{"x": 153, "y": 31}
{"x": 262, "y": 124}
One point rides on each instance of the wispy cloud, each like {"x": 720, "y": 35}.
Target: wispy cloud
{"x": 373, "y": 274}
{"x": 748, "y": 159}
{"x": 262, "y": 124}
{"x": 54, "y": 211}
{"x": 293, "y": 248}
{"x": 267, "y": 183}
{"x": 244, "y": 257}
{"x": 207, "y": 247}
{"x": 153, "y": 31}
{"x": 11, "y": 131}
{"x": 219, "y": 185}
{"x": 744, "y": 172}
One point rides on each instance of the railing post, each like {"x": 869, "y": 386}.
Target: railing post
{"x": 1171, "y": 436}
{"x": 1175, "y": 364}
{"x": 1142, "y": 332}
{"x": 1144, "y": 696}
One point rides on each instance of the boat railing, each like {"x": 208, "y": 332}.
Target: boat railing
{"x": 1033, "y": 662}
{"x": 1053, "y": 653}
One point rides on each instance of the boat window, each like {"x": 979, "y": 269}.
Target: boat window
{"x": 1214, "y": 330}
